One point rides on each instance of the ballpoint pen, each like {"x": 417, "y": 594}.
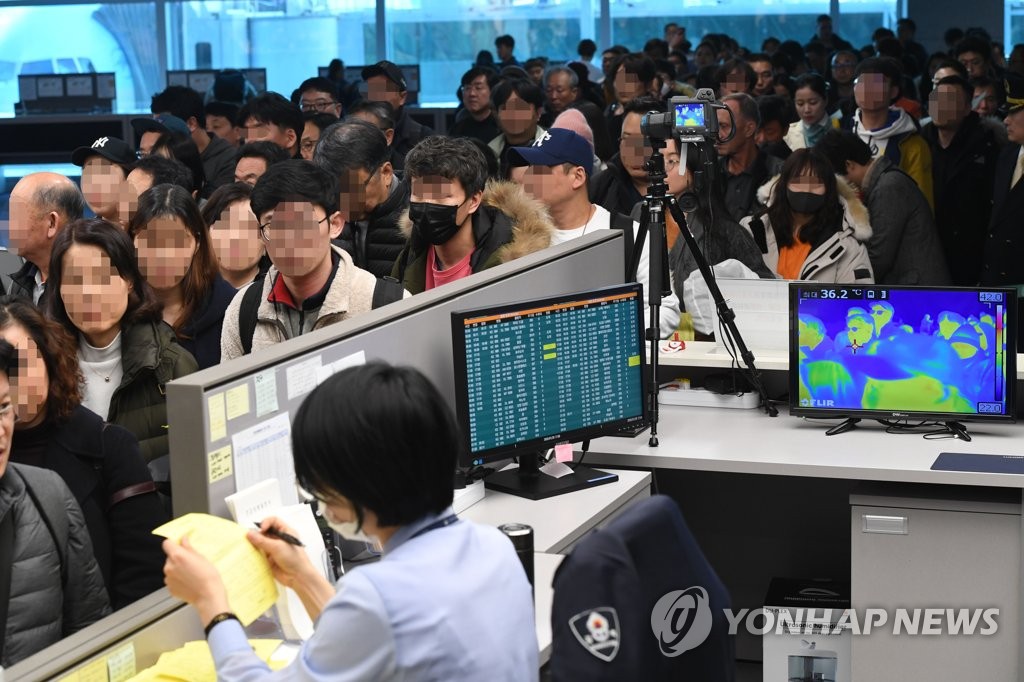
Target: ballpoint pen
{"x": 280, "y": 535}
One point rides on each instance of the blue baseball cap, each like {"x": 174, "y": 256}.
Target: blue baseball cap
{"x": 555, "y": 147}
{"x": 164, "y": 123}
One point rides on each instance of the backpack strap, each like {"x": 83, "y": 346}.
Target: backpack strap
{"x": 625, "y": 224}
{"x": 247, "y": 314}
{"x": 387, "y": 290}
{"x": 51, "y": 509}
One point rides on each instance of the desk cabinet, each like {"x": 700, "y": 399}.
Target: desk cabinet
{"x": 947, "y": 551}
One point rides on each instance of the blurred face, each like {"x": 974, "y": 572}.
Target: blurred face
{"x": 165, "y": 249}
{"x": 222, "y": 127}
{"x": 94, "y": 293}
{"x": 28, "y": 227}
{"x": 236, "y": 238}
{"x": 517, "y": 117}
{"x": 7, "y": 412}
{"x": 434, "y": 189}
{"x": 269, "y": 132}
{"x": 140, "y": 181}
{"x": 382, "y": 89}
{"x": 249, "y": 169}
{"x": 632, "y": 149}
{"x": 31, "y": 382}
{"x": 476, "y": 96}
{"x": 310, "y": 136}
{"x": 364, "y": 190}
{"x": 810, "y": 106}
{"x": 560, "y": 92}
{"x": 1015, "y": 126}
{"x": 948, "y": 106}
{"x": 873, "y": 92}
{"x": 765, "y": 78}
{"x": 985, "y": 101}
{"x": 735, "y": 81}
{"x": 974, "y": 62}
{"x": 103, "y": 184}
{"x": 298, "y": 236}
{"x": 627, "y": 85}
{"x": 554, "y": 185}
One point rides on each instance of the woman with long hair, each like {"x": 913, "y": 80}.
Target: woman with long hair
{"x": 235, "y": 234}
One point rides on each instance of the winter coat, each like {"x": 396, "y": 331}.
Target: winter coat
{"x": 375, "y": 243}
{"x": 408, "y": 133}
{"x": 509, "y": 224}
{"x": 350, "y": 293}
{"x": 1004, "y": 248}
{"x": 150, "y": 358}
{"x": 613, "y": 189}
{"x": 49, "y": 599}
{"x": 102, "y": 466}
{"x": 900, "y": 142}
{"x": 904, "y": 245}
{"x": 200, "y": 336}
{"x": 23, "y": 283}
{"x": 841, "y": 257}
{"x": 219, "y": 159}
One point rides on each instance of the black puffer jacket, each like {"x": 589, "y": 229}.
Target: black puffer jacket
{"x": 375, "y": 243}
{"x": 49, "y": 600}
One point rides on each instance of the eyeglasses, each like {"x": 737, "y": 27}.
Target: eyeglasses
{"x": 843, "y": 65}
{"x": 309, "y": 145}
{"x": 267, "y": 231}
{"x": 319, "y": 106}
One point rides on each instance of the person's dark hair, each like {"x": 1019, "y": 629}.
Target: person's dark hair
{"x": 295, "y": 180}
{"x": 582, "y": 75}
{"x": 815, "y": 48}
{"x": 974, "y": 43}
{"x": 775, "y": 108}
{"x": 351, "y": 144}
{"x": 484, "y": 58}
{"x": 143, "y": 305}
{"x": 335, "y": 69}
{"x": 890, "y": 46}
{"x": 952, "y": 36}
{"x": 748, "y": 106}
{"x": 906, "y": 22}
{"x": 525, "y": 89}
{"x": 770, "y": 40}
{"x": 882, "y": 32}
{"x": 822, "y": 18}
{"x": 180, "y": 101}
{"x": 184, "y": 150}
{"x": 166, "y": 171}
{"x": 534, "y": 62}
{"x": 840, "y": 146}
{"x": 506, "y": 40}
{"x": 8, "y": 360}
{"x": 449, "y": 158}
{"x": 813, "y": 81}
{"x": 382, "y": 111}
{"x": 64, "y": 197}
{"x": 587, "y": 48}
{"x": 965, "y": 86}
{"x": 268, "y": 151}
{"x": 383, "y": 437}
{"x": 58, "y": 350}
{"x": 758, "y": 57}
{"x": 321, "y": 121}
{"x": 887, "y": 66}
{"x": 222, "y": 198}
{"x": 477, "y": 71}
{"x": 828, "y": 220}
{"x": 273, "y": 108}
{"x": 172, "y": 201}
{"x": 793, "y": 50}
{"x": 491, "y": 160}
{"x": 638, "y": 64}
{"x": 320, "y": 84}
{"x": 740, "y": 65}
{"x": 225, "y": 109}
{"x": 706, "y": 77}
{"x": 641, "y": 105}
{"x": 656, "y": 48}
{"x": 995, "y": 83}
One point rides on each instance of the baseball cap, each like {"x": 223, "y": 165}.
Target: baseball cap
{"x": 164, "y": 123}
{"x": 387, "y": 69}
{"x": 555, "y": 147}
{"x": 1014, "y": 84}
{"x": 110, "y": 148}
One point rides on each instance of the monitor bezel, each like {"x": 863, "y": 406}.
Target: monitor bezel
{"x": 468, "y": 458}
{"x": 795, "y": 409}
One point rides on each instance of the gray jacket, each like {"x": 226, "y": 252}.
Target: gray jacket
{"x": 48, "y": 600}
{"x": 904, "y": 244}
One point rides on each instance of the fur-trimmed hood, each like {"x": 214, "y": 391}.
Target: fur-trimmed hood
{"x": 532, "y": 227}
{"x": 856, "y": 219}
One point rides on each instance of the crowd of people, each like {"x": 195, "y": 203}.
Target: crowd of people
{"x": 236, "y": 221}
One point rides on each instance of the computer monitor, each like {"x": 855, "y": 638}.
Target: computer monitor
{"x": 534, "y": 374}
{"x": 902, "y": 353}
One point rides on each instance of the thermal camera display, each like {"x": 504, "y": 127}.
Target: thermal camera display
{"x": 690, "y": 115}
{"x": 902, "y": 350}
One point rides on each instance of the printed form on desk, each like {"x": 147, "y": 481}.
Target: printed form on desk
{"x": 194, "y": 663}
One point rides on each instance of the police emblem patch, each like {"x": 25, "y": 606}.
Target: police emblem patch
{"x": 598, "y": 631}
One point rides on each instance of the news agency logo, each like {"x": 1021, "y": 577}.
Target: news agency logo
{"x": 682, "y": 620}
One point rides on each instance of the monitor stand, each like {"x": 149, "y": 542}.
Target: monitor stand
{"x": 530, "y": 482}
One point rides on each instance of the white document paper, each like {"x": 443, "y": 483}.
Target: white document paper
{"x": 265, "y": 384}
{"x": 301, "y": 377}
{"x": 265, "y": 451}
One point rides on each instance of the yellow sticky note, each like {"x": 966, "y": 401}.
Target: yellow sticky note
{"x": 238, "y": 401}
{"x": 220, "y": 464}
{"x": 121, "y": 663}
{"x": 634, "y": 360}
{"x": 250, "y": 585}
{"x": 218, "y": 422}
{"x": 550, "y": 356}
{"x": 93, "y": 672}
{"x": 549, "y": 346}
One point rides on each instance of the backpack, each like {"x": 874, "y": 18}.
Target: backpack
{"x": 386, "y": 290}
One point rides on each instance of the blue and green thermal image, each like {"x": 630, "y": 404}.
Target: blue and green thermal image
{"x": 903, "y": 350}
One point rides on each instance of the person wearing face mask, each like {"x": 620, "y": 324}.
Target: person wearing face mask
{"x": 448, "y": 601}
{"x": 311, "y": 283}
{"x": 235, "y": 235}
{"x": 455, "y": 226}
{"x": 105, "y": 167}
{"x": 126, "y": 352}
{"x": 173, "y": 247}
{"x": 811, "y": 101}
{"x": 100, "y": 463}
{"x": 813, "y": 226}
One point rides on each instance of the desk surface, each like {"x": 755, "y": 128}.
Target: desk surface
{"x": 749, "y": 442}
{"x": 560, "y": 521}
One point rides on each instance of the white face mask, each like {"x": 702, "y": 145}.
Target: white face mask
{"x": 349, "y": 530}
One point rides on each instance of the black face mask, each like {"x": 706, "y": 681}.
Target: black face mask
{"x": 805, "y": 202}
{"x": 434, "y": 223}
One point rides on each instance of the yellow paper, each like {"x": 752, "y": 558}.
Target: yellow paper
{"x": 93, "y": 672}
{"x": 250, "y": 586}
{"x": 238, "y": 401}
{"x": 220, "y": 464}
{"x": 121, "y": 663}
{"x": 218, "y": 422}
{"x": 264, "y": 648}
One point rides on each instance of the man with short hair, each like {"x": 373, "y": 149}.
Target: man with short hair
{"x": 311, "y": 283}
{"x": 624, "y": 182}
{"x": 906, "y": 31}
{"x": 557, "y": 174}
{"x": 220, "y": 121}
{"x": 371, "y": 198}
{"x": 517, "y": 106}
{"x": 216, "y": 154}
{"x": 386, "y": 83}
{"x": 476, "y": 119}
{"x": 975, "y": 53}
{"x": 154, "y": 170}
{"x": 889, "y": 130}
{"x": 586, "y": 49}
{"x": 319, "y": 95}
{"x": 744, "y": 166}
{"x": 150, "y": 130}
{"x": 735, "y": 76}
{"x": 255, "y": 158}
{"x": 272, "y": 118}
{"x": 765, "y": 73}
{"x": 825, "y": 36}
{"x": 455, "y": 226}
{"x": 964, "y": 152}
{"x": 776, "y": 115}
{"x": 563, "y": 92}
{"x": 505, "y": 45}
{"x": 1003, "y": 262}
{"x": 41, "y": 205}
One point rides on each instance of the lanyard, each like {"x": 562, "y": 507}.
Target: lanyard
{"x": 440, "y": 523}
